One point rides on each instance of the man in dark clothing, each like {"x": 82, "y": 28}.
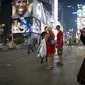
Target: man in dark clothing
{"x": 82, "y": 36}
{"x": 30, "y": 44}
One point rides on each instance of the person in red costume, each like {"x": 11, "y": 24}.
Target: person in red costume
{"x": 50, "y": 48}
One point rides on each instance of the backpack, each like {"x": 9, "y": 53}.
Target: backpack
{"x": 52, "y": 42}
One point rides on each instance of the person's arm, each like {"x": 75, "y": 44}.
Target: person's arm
{"x": 29, "y": 7}
{"x": 13, "y": 11}
{"x": 61, "y": 39}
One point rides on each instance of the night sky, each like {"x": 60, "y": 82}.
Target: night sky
{"x": 72, "y": 1}
{"x": 68, "y": 17}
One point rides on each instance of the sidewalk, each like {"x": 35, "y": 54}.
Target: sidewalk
{"x": 27, "y": 70}
{"x": 7, "y": 48}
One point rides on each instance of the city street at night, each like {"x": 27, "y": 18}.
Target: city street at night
{"x": 19, "y": 68}
{"x": 42, "y": 42}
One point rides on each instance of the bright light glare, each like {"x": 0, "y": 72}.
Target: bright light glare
{"x": 56, "y": 10}
{"x": 81, "y": 18}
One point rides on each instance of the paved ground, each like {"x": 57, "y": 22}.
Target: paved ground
{"x": 19, "y": 68}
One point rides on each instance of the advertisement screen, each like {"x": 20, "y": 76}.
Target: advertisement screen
{"x": 81, "y": 16}
{"x": 39, "y": 11}
{"x": 22, "y": 8}
{"x": 25, "y": 25}
{"x": 36, "y": 28}
{"x": 21, "y": 25}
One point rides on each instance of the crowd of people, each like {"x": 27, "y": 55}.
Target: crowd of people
{"x": 48, "y": 45}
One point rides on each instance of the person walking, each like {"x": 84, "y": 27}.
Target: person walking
{"x": 59, "y": 45}
{"x": 30, "y": 43}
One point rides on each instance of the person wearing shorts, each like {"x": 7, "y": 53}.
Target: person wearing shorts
{"x": 59, "y": 45}
{"x": 59, "y": 51}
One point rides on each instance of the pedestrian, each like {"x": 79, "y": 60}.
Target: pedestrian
{"x": 44, "y": 32}
{"x": 50, "y": 43}
{"x": 42, "y": 51}
{"x": 43, "y": 35}
{"x": 30, "y": 43}
{"x": 59, "y": 44}
{"x": 69, "y": 44}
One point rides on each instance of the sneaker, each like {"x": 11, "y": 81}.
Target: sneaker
{"x": 59, "y": 64}
{"x": 28, "y": 52}
{"x": 52, "y": 67}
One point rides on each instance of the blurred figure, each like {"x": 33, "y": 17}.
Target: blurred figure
{"x": 44, "y": 32}
{"x": 15, "y": 28}
{"x": 69, "y": 43}
{"x": 50, "y": 42}
{"x": 43, "y": 35}
{"x": 42, "y": 51}
{"x": 81, "y": 72}
{"x": 30, "y": 43}
{"x": 59, "y": 44}
{"x": 82, "y": 36}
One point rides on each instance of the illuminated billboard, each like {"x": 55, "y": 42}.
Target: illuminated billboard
{"x": 39, "y": 11}
{"x": 22, "y": 8}
{"x": 36, "y": 27}
{"x": 25, "y": 25}
{"x": 80, "y": 16}
{"x": 21, "y": 25}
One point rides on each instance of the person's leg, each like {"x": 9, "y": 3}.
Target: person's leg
{"x": 69, "y": 48}
{"x": 31, "y": 47}
{"x": 46, "y": 57}
{"x": 49, "y": 59}
{"x": 61, "y": 60}
{"x": 41, "y": 60}
{"x": 59, "y": 50}
{"x": 28, "y": 48}
{"x": 48, "y": 62}
{"x": 60, "y": 55}
{"x": 53, "y": 60}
